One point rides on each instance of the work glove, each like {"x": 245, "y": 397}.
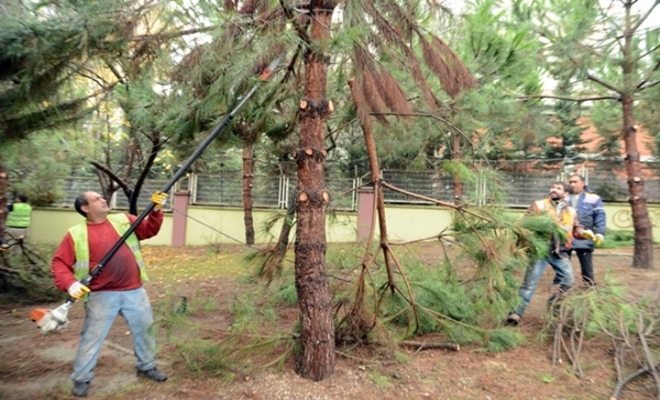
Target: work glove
{"x": 588, "y": 234}
{"x": 159, "y": 199}
{"x": 77, "y": 290}
{"x": 598, "y": 240}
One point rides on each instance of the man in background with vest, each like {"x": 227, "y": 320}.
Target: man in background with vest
{"x": 560, "y": 211}
{"x": 591, "y": 212}
{"x": 116, "y": 291}
{"x": 18, "y": 219}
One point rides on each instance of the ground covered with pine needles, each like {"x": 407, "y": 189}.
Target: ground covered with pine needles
{"x": 224, "y": 333}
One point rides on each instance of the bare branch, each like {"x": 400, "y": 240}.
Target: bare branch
{"x": 649, "y": 85}
{"x": 112, "y": 176}
{"x": 577, "y": 100}
{"x": 603, "y": 83}
{"x": 156, "y": 37}
{"x": 302, "y": 31}
{"x": 643, "y": 18}
{"x": 648, "y": 52}
{"x": 642, "y": 84}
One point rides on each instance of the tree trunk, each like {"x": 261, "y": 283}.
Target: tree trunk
{"x": 3, "y": 201}
{"x": 248, "y": 177}
{"x": 273, "y": 262}
{"x": 317, "y": 338}
{"x": 456, "y": 156}
{"x": 376, "y": 178}
{"x": 643, "y": 256}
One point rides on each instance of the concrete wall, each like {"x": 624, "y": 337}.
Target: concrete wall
{"x": 206, "y": 225}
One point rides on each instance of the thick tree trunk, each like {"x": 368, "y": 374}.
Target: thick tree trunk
{"x": 643, "y": 256}
{"x": 248, "y": 177}
{"x": 317, "y": 338}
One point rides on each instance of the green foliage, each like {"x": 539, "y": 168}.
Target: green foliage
{"x": 502, "y": 339}
{"x": 618, "y": 238}
{"x": 287, "y": 294}
{"x": 26, "y": 276}
{"x": 36, "y": 167}
{"x": 382, "y": 382}
{"x": 45, "y": 46}
{"x": 445, "y": 305}
{"x": 609, "y": 309}
{"x": 536, "y": 233}
{"x": 250, "y": 344}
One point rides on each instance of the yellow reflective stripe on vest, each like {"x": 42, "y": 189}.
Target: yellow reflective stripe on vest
{"x": 81, "y": 245}
{"x": 120, "y": 223}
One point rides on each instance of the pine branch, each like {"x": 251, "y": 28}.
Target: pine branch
{"x": 642, "y": 84}
{"x": 577, "y": 100}
{"x": 431, "y": 345}
{"x": 302, "y": 31}
{"x": 603, "y": 83}
{"x": 158, "y": 37}
{"x": 644, "y": 17}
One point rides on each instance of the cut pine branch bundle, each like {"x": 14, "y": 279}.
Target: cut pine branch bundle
{"x": 446, "y": 65}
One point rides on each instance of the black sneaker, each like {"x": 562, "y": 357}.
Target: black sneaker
{"x": 154, "y": 374}
{"x": 80, "y": 389}
{"x": 512, "y": 319}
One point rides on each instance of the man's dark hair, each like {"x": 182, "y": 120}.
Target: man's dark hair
{"x": 562, "y": 184}
{"x": 575, "y": 174}
{"x": 81, "y": 201}
{"x": 23, "y": 198}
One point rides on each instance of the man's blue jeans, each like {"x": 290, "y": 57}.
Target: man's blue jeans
{"x": 563, "y": 276}
{"x": 101, "y": 310}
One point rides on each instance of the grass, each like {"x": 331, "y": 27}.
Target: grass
{"x": 171, "y": 265}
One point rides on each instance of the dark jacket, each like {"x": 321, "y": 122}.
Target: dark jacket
{"x": 591, "y": 213}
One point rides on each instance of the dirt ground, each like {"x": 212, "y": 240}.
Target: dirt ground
{"x": 36, "y": 366}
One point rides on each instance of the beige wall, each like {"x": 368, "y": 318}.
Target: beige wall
{"x": 404, "y": 223}
{"x": 49, "y": 225}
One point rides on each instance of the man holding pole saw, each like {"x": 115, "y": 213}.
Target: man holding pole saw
{"x": 117, "y": 291}
{"x": 121, "y": 291}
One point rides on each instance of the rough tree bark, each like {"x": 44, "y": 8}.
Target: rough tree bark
{"x": 248, "y": 177}
{"x": 643, "y": 255}
{"x": 317, "y": 338}
{"x": 275, "y": 257}
{"x": 456, "y": 156}
{"x": 3, "y": 200}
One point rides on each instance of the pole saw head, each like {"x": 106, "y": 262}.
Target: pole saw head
{"x": 51, "y": 320}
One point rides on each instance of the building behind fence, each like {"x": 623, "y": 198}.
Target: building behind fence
{"x": 512, "y": 188}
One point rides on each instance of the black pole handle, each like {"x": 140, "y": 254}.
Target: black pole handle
{"x": 265, "y": 74}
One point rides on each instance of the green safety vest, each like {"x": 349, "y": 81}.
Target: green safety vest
{"x": 19, "y": 217}
{"x": 121, "y": 223}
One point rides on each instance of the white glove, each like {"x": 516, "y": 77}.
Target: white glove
{"x": 77, "y": 290}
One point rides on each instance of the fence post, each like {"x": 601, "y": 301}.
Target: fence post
{"x": 365, "y": 211}
{"x": 283, "y": 192}
{"x": 180, "y": 201}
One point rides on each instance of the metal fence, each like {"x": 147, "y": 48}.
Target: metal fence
{"x": 512, "y": 189}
